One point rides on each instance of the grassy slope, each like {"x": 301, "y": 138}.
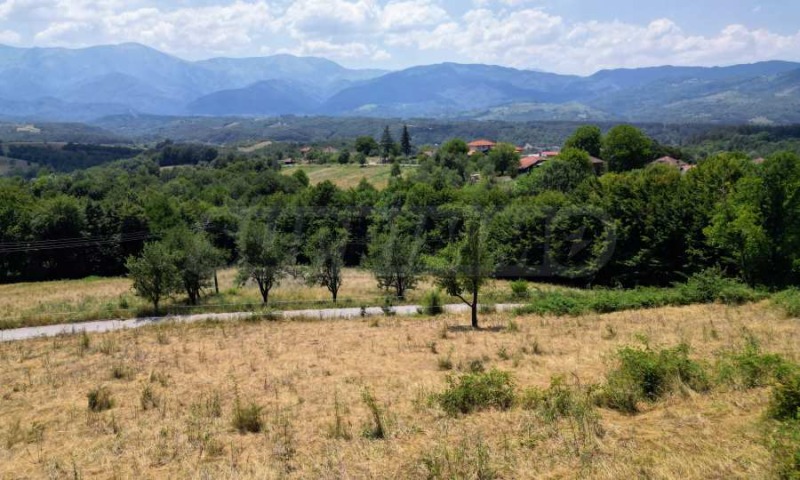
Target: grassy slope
{"x": 295, "y": 370}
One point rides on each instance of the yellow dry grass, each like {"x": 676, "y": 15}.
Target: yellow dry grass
{"x": 346, "y": 176}
{"x": 296, "y": 370}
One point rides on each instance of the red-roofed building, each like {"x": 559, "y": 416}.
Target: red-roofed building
{"x": 528, "y": 163}
{"x": 483, "y": 146}
{"x": 550, "y": 154}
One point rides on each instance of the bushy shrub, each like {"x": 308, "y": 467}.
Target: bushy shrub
{"x": 789, "y": 302}
{"x": 432, "y": 303}
{"x": 100, "y": 399}
{"x": 647, "y": 375}
{"x": 519, "y": 289}
{"x": 785, "y": 402}
{"x": 478, "y": 391}
{"x": 557, "y": 304}
{"x": 712, "y": 286}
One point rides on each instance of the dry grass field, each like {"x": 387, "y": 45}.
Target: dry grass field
{"x": 345, "y": 176}
{"x": 44, "y": 303}
{"x": 175, "y": 391}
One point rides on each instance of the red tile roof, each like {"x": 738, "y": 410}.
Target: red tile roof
{"x": 530, "y": 161}
{"x": 481, "y": 143}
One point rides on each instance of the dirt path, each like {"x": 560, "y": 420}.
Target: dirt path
{"x": 114, "y": 325}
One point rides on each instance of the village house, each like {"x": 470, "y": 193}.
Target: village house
{"x": 482, "y": 146}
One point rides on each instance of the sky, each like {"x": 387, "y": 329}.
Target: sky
{"x": 564, "y": 36}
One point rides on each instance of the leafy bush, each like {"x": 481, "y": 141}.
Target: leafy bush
{"x": 785, "y": 402}
{"x": 432, "y": 303}
{"x": 645, "y": 374}
{"x": 478, "y": 391}
{"x": 558, "y": 304}
{"x": 711, "y": 286}
{"x": 519, "y": 289}
{"x": 100, "y": 399}
{"x": 789, "y": 302}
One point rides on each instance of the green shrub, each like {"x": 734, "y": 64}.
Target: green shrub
{"x": 100, "y": 399}
{"x": 432, "y": 303}
{"x": 712, "y": 286}
{"x": 557, "y": 304}
{"x": 749, "y": 368}
{"x": 785, "y": 401}
{"x": 647, "y": 375}
{"x": 519, "y": 289}
{"x": 789, "y": 302}
{"x": 478, "y": 391}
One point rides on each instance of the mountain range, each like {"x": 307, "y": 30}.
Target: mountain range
{"x": 59, "y": 84}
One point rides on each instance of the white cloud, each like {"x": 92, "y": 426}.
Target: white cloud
{"x": 532, "y": 38}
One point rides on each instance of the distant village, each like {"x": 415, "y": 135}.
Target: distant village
{"x": 531, "y": 157}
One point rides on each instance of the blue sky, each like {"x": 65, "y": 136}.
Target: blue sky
{"x": 564, "y": 36}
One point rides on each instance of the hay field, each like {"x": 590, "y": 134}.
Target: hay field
{"x": 175, "y": 390}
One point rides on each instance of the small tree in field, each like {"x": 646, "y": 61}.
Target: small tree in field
{"x": 196, "y": 259}
{"x": 463, "y": 267}
{"x": 325, "y": 249}
{"x": 154, "y": 273}
{"x": 396, "y": 261}
{"x": 264, "y": 256}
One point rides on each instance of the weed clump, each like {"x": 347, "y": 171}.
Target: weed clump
{"x": 376, "y": 427}
{"x": 247, "y": 418}
{"x": 100, "y": 399}
{"x": 519, "y": 289}
{"x": 644, "y": 374}
{"x": 478, "y": 391}
{"x": 467, "y": 459}
{"x": 750, "y": 368}
{"x": 432, "y": 303}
